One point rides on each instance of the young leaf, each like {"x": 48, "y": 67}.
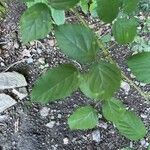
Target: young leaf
{"x": 63, "y": 4}
{"x": 35, "y": 22}
{"x": 103, "y": 79}
{"x": 58, "y": 16}
{"x": 131, "y": 126}
{"x": 140, "y": 66}
{"x": 130, "y": 6}
{"x": 77, "y": 41}
{"x": 108, "y": 9}
{"x": 124, "y": 30}
{"x": 57, "y": 83}
{"x": 113, "y": 109}
{"x": 83, "y": 118}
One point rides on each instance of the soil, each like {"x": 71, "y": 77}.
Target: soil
{"x": 25, "y": 128}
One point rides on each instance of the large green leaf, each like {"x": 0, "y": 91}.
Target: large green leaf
{"x": 124, "y": 30}
{"x": 103, "y": 79}
{"x": 113, "y": 109}
{"x": 130, "y": 6}
{"x": 83, "y": 118}
{"x": 58, "y": 16}
{"x": 77, "y": 41}
{"x": 131, "y": 126}
{"x": 57, "y": 83}
{"x": 84, "y": 87}
{"x": 108, "y": 9}
{"x": 140, "y": 66}
{"x": 33, "y": 2}
{"x": 63, "y": 4}
{"x": 35, "y": 22}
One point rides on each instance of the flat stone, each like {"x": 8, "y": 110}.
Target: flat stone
{"x": 5, "y": 102}
{"x": 9, "y": 80}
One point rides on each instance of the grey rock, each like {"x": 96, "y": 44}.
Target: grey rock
{"x": 96, "y": 136}
{"x": 10, "y": 80}
{"x": 44, "y": 111}
{"x": 3, "y": 118}
{"x": 66, "y": 141}
{"x": 30, "y": 60}
{"x": 5, "y": 102}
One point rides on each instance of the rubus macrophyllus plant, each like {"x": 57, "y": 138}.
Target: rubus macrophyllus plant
{"x": 80, "y": 43}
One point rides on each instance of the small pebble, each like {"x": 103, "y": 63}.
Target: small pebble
{"x": 103, "y": 125}
{"x": 52, "y": 117}
{"x": 125, "y": 86}
{"x": 59, "y": 116}
{"x": 142, "y": 84}
{"x": 136, "y": 82}
{"x": 44, "y": 111}
{"x": 65, "y": 141}
{"x": 2, "y": 64}
{"x": 143, "y": 142}
{"x": 16, "y": 45}
{"x": 39, "y": 51}
{"x": 96, "y": 136}
{"x": 50, "y": 124}
{"x": 30, "y": 60}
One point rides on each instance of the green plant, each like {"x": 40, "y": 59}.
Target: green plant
{"x": 103, "y": 77}
{"x": 2, "y": 10}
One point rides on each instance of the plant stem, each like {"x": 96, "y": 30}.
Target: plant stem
{"x": 79, "y": 17}
{"x": 109, "y": 57}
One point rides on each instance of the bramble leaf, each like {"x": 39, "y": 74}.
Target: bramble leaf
{"x": 112, "y": 109}
{"x": 103, "y": 79}
{"x": 140, "y": 66}
{"x": 77, "y": 41}
{"x": 55, "y": 84}
{"x": 35, "y": 22}
{"x": 108, "y": 9}
{"x": 131, "y": 126}
{"x": 130, "y": 6}
{"x": 84, "y": 87}
{"x": 83, "y": 118}
{"x": 124, "y": 30}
